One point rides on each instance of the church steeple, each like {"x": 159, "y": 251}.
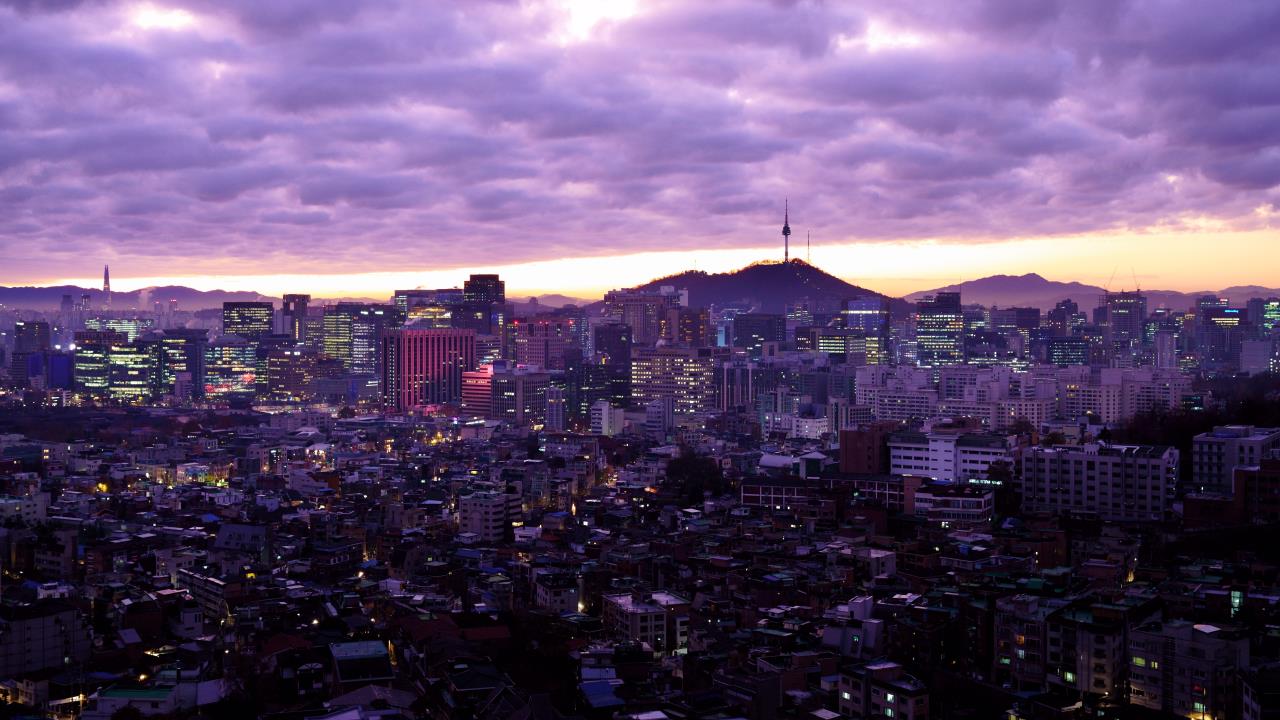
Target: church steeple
{"x": 786, "y": 231}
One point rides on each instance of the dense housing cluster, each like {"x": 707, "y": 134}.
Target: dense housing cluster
{"x": 653, "y": 507}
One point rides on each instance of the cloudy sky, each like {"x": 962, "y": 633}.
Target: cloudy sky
{"x": 339, "y": 146}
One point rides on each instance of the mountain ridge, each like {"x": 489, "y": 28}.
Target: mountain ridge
{"x": 770, "y": 287}
{"x": 1034, "y": 290}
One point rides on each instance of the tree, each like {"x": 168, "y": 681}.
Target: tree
{"x": 694, "y": 476}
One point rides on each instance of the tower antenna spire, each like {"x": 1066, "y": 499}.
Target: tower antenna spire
{"x": 808, "y": 249}
{"x": 786, "y": 230}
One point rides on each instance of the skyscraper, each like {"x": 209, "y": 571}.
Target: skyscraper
{"x": 613, "y": 342}
{"x": 425, "y": 366}
{"x": 134, "y": 372}
{"x": 106, "y": 287}
{"x": 487, "y": 289}
{"x": 1126, "y": 315}
{"x": 29, "y": 337}
{"x": 642, "y": 310}
{"x": 294, "y": 311}
{"x": 249, "y": 320}
{"x": 1064, "y": 318}
{"x": 753, "y": 330}
{"x": 352, "y": 334}
{"x": 91, "y": 363}
{"x": 868, "y": 314}
{"x": 231, "y": 370}
{"x": 184, "y": 352}
{"x": 939, "y": 330}
{"x": 543, "y": 341}
{"x": 685, "y": 374}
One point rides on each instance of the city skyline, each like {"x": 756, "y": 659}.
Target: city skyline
{"x": 596, "y": 144}
{"x": 639, "y": 359}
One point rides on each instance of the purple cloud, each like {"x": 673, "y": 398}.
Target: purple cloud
{"x": 356, "y": 132}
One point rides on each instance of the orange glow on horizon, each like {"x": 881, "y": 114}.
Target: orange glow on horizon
{"x": 1185, "y": 261}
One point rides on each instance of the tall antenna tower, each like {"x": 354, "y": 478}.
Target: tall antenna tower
{"x": 786, "y": 231}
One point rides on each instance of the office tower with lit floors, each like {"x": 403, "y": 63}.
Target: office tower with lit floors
{"x": 484, "y": 289}
{"x": 249, "y": 320}
{"x": 425, "y": 366}
{"x": 1125, "y": 316}
{"x": 293, "y": 314}
{"x": 939, "y": 330}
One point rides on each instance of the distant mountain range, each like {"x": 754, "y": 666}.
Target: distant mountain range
{"x": 770, "y": 287}
{"x": 766, "y": 287}
{"x": 1032, "y": 290}
{"x": 50, "y": 298}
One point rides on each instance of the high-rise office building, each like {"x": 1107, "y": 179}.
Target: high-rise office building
{"x": 134, "y": 371}
{"x": 1064, "y": 318}
{"x": 644, "y": 311}
{"x": 520, "y": 395}
{"x": 613, "y": 343}
{"x": 29, "y": 338}
{"x": 184, "y": 352}
{"x": 293, "y": 313}
{"x": 1126, "y": 316}
{"x": 249, "y": 320}
{"x": 91, "y": 364}
{"x": 367, "y": 328}
{"x": 132, "y": 327}
{"x": 517, "y": 394}
{"x": 353, "y": 332}
{"x": 556, "y": 409}
{"x": 587, "y": 380}
{"x": 939, "y": 330}
{"x": 868, "y": 315}
{"x": 1015, "y": 320}
{"x": 543, "y": 341}
{"x": 737, "y": 385}
{"x": 484, "y": 289}
{"x": 685, "y": 374}
{"x": 230, "y": 370}
{"x": 689, "y": 326}
{"x": 290, "y": 373}
{"x": 477, "y": 390}
{"x": 423, "y": 367}
{"x": 753, "y": 330}
{"x": 1067, "y": 351}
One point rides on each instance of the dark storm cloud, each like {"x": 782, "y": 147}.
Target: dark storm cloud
{"x": 354, "y": 132}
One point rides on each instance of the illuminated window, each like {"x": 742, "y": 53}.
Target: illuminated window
{"x": 1139, "y": 661}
